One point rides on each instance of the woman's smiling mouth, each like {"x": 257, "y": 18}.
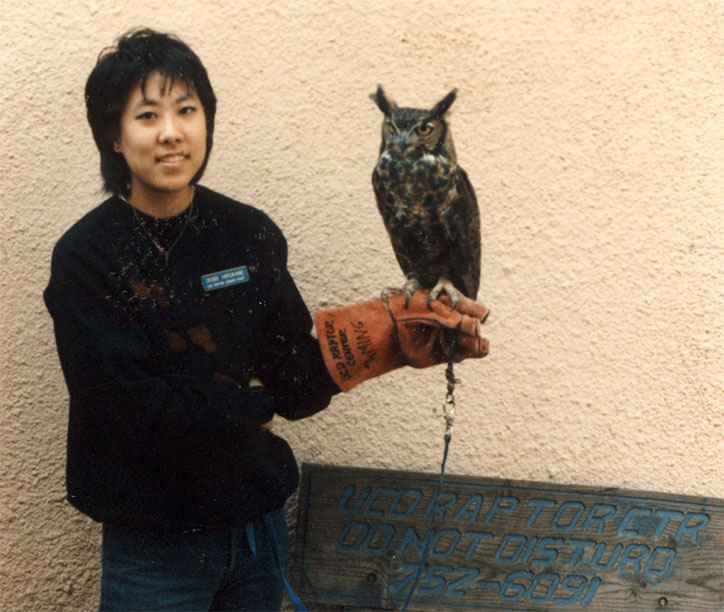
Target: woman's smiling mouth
{"x": 172, "y": 158}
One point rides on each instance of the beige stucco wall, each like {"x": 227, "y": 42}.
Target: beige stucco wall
{"x": 594, "y": 135}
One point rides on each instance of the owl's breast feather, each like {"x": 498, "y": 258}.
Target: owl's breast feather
{"x": 422, "y": 178}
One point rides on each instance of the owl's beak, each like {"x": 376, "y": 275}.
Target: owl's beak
{"x": 402, "y": 142}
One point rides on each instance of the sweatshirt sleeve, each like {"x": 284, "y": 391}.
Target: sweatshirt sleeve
{"x": 291, "y": 364}
{"x": 112, "y": 372}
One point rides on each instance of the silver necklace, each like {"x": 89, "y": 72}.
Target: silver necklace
{"x": 165, "y": 251}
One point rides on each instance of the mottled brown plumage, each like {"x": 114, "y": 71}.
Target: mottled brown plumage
{"x": 426, "y": 200}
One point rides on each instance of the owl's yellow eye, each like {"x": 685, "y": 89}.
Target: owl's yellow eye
{"x": 391, "y": 128}
{"x": 424, "y": 129}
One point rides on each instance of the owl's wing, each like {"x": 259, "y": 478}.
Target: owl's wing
{"x": 462, "y": 228}
{"x": 396, "y": 231}
{"x": 380, "y": 193}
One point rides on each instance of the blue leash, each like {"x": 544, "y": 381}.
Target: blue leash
{"x": 431, "y": 530}
{"x": 251, "y": 538}
{"x": 293, "y": 597}
{"x": 449, "y": 414}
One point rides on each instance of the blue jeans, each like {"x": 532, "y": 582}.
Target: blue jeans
{"x": 209, "y": 569}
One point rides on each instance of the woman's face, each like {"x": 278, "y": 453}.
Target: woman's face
{"x": 162, "y": 138}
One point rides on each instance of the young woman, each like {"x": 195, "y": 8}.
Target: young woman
{"x": 181, "y": 334}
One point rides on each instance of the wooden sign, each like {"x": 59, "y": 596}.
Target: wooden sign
{"x": 503, "y": 545}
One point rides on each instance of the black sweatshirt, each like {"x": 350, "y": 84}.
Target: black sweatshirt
{"x": 164, "y": 430}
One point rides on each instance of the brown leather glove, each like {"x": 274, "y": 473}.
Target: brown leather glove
{"x": 368, "y": 339}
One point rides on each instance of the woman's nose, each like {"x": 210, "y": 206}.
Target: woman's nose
{"x": 170, "y": 131}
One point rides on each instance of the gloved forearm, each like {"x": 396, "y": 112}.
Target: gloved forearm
{"x": 365, "y": 340}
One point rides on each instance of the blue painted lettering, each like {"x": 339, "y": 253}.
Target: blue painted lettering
{"x": 504, "y": 503}
{"x": 548, "y": 555}
{"x": 379, "y": 538}
{"x": 513, "y": 588}
{"x": 538, "y": 505}
{"x": 456, "y": 589}
{"x": 471, "y": 509}
{"x": 369, "y": 509}
{"x": 624, "y": 529}
{"x": 410, "y": 537}
{"x": 434, "y": 583}
{"x": 541, "y": 588}
{"x": 574, "y": 585}
{"x": 612, "y": 560}
{"x": 405, "y": 578}
{"x": 476, "y": 537}
{"x": 357, "y": 530}
{"x": 343, "y": 505}
{"x": 440, "y": 504}
{"x": 660, "y": 551}
{"x": 518, "y": 542}
{"x": 633, "y": 555}
{"x": 532, "y": 543}
{"x": 452, "y": 536}
{"x": 579, "y": 547}
{"x": 409, "y": 506}
{"x": 598, "y": 515}
{"x": 693, "y": 522}
{"x": 569, "y": 523}
{"x": 544, "y": 594}
{"x": 591, "y": 593}
{"x": 666, "y": 516}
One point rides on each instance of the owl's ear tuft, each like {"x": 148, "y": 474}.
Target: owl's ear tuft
{"x": 381, "y": 100}
{"x": 443, "y": 105}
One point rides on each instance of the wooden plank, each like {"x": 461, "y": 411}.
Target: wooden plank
{"x": 503, "y": 545}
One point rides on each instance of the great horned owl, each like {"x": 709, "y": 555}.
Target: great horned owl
{"x": 426, "y": 200}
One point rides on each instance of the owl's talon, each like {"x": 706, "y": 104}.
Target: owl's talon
{"x": 411, "y": 285}
{"x": 388, "y": 291}
{"x": 443, "y": 285}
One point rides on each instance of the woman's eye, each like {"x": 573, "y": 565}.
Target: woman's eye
{"x": 146, "y": 115}
{"x": 186, "y": 110}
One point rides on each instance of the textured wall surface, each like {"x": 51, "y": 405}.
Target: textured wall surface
{"x": 594, "y": 135}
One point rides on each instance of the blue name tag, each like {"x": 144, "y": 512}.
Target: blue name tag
{"x": 225, "y": 278}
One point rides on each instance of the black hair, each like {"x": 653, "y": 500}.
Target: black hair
{"x": 119, "y": 69}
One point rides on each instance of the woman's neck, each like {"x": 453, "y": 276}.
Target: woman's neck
{"x": 161, "y": 204}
